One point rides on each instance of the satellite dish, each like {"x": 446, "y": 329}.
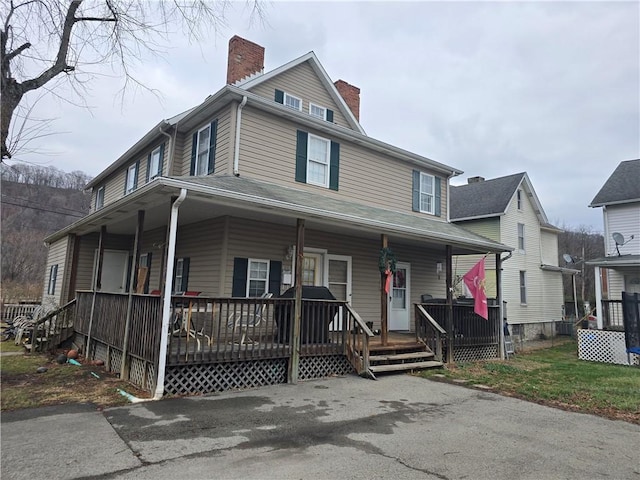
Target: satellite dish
{"x": 567, "y": 258}
{"x": 618, "y": 238}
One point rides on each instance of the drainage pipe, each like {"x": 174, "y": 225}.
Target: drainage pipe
{"x": 236, "y": 152}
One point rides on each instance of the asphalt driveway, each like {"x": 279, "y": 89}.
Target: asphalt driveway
{"x": 397, "y": 427}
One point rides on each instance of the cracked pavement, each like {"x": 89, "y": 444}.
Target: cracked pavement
{"x": 397, "y": 427}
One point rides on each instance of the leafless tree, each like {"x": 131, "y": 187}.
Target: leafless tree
{"x": 42, "y": 41}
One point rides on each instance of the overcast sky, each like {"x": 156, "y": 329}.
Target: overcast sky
{"x": 490, "y": 88}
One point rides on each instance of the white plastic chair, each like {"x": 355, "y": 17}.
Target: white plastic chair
{"x": 244, "y": 320}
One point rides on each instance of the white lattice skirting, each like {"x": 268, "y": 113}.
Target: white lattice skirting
{"x": 604, "y": 346}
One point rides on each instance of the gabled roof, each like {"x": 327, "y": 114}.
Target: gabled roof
{"x": 490, "y": 198}
{"x": 253, "y": 81}
{"x": 623, "y": 186}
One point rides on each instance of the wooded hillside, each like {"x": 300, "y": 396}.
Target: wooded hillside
{"x": 35, "y": 201}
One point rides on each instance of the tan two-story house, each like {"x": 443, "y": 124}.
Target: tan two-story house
{"x": 224, "y": 199}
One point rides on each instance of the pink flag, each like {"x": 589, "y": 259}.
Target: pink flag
{"x": 474, "y": 280}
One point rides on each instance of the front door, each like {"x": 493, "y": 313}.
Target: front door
{"x": 114, "y": 270}
{"x": 338, "y": 281}
{"x": 399, "y": 298}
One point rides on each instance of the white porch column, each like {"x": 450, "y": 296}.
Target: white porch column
{"x": 598, "y": 282}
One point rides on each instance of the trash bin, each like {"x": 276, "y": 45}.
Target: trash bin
{"x": 316, "y": 317}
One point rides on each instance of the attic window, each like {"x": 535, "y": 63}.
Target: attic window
{"x": 519, "y": 197}
{"x": 292, "y": 102}
{"x": 317, "y": 111}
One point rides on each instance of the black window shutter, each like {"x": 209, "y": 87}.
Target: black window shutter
{"x": 334, "y": 166}
{"x": 185, "y": 275}
{"x": 279, "y": 98}
{"x": 194, "y": 151}
{"x": 146, "y": 281}
{"x": 438, "y": 196}
{"x": 301, "y": 157}
{"x": 239, "y": 286}
{"x": 126, "y": 287}
{"x": 213, "y": 134}
{"x": 149, "y": 167}
{"x": 329, "y": 115}
{"x": 416, "y": 191}
{"x": 275, "y": 276}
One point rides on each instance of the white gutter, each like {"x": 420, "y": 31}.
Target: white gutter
{"x": 236, "y": 151}
{"x": 166, "y": 308}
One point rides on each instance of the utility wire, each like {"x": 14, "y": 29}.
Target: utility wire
{"x": 44, "y": 209}
{"x": 73, "y": 210}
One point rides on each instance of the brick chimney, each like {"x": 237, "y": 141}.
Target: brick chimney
{"x": 475, "y": 180}
{"x": 351, "y": 96}
{"x": 245, "y": 59}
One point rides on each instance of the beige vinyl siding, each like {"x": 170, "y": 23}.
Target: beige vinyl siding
{"x": 551, "y": 307}
{"x": 153, "y": 241}
{"x": 364, "y": 253}
{"x": 223, "y": 144}
{"x": 487, "y": 227}
{"x": 86, "y": 255}
{"x": 302, "y": 82}
{"x": 528, "y": 261}
{"x": 56, "y": 256}
{"x": 268, "y": 152}
{"x": 178, "y": 148}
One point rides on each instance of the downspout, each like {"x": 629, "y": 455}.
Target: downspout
{"x": 236, "y": 151}
{"x": 169, "y": 153}
{"x": 166, "y": 308}
{"x": 500, "y": 299}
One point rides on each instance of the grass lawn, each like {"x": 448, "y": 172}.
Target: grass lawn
{"x": 555, "y": 377}
{"x": 22, "y": 387}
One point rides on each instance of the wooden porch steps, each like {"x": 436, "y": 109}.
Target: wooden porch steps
{"x": 401, "y": 357}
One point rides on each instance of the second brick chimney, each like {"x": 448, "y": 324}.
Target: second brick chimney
{"x": 245, "y": 59}
{"x": 351, "y": 96}
{"x": 475, "y": 180}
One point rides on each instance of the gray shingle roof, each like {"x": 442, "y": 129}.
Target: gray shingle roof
{"x": 483, "y": 199}
{"x": 622, "y": 186}
{"x": 332, "y": 207}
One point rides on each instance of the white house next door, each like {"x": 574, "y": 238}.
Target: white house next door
{"x": 399, "y": 296}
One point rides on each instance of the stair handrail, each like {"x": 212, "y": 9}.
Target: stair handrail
{"x": 51, "y": 327}
{"x": 360, "y": 363}
{"x": 439, "y": 331}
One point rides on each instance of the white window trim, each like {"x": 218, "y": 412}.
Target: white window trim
{"x": 524, "y": 244}
{"x": 159, "y": 169}
{"x": 51, "y": 287}
{"x": 100, "y": 197}
{"x": 288, "y": 95}
{"x": 131, "y": 174}
{"x": 433, "y": 194}
{"x": 195, "y": 167}
{"x": 266, "y": 280}
{"x": 323, "y": 117}
{"x": 328, "y": 164}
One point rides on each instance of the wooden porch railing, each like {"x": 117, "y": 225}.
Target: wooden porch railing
{"x": 54, "y": 328}
{"x": 212, "y": 329}
{"x": 429, "y": 331}
{"x": 13, "y": 310}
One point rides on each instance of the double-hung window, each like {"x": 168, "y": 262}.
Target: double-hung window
{"x": 100, "y": 198}
{"x": 523, "y": 287}
{"x": 154, "y": 167}
{"x": 519, "y": 199}
{"x": 427, "y": 193}
{"x": 257, "y": 278}
{"x": 181, "y": 274}
{"x": 318, "y": 154}
{"x": 131, "y": 182}
{"x": 53, "y": 274}
{"x": 317, "y": 111}
{"x": 202, "y": 151}
{"x": 521, "y": 237}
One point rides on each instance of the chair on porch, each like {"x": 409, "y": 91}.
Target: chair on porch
{"x": 244, "y": 320}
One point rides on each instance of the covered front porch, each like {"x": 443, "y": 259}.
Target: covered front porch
{"x": 179, "y": 287}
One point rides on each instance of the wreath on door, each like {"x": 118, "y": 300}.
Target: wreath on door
{"x": 387, "y": 261}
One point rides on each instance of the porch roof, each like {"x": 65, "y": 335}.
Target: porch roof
{"x": 251, "y": 198}
{"x": 615, "y": 261}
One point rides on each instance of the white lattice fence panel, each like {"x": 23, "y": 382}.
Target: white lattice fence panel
{"x": 115, "y": 360}
{"x": 137, "y": 370}
{"x": 604, "y": 346}
{"x": 100, "y": 351}
{"x": 472, "y": 353}
{"x": 220, "y": 377}
{"x": 323, "y": 366}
